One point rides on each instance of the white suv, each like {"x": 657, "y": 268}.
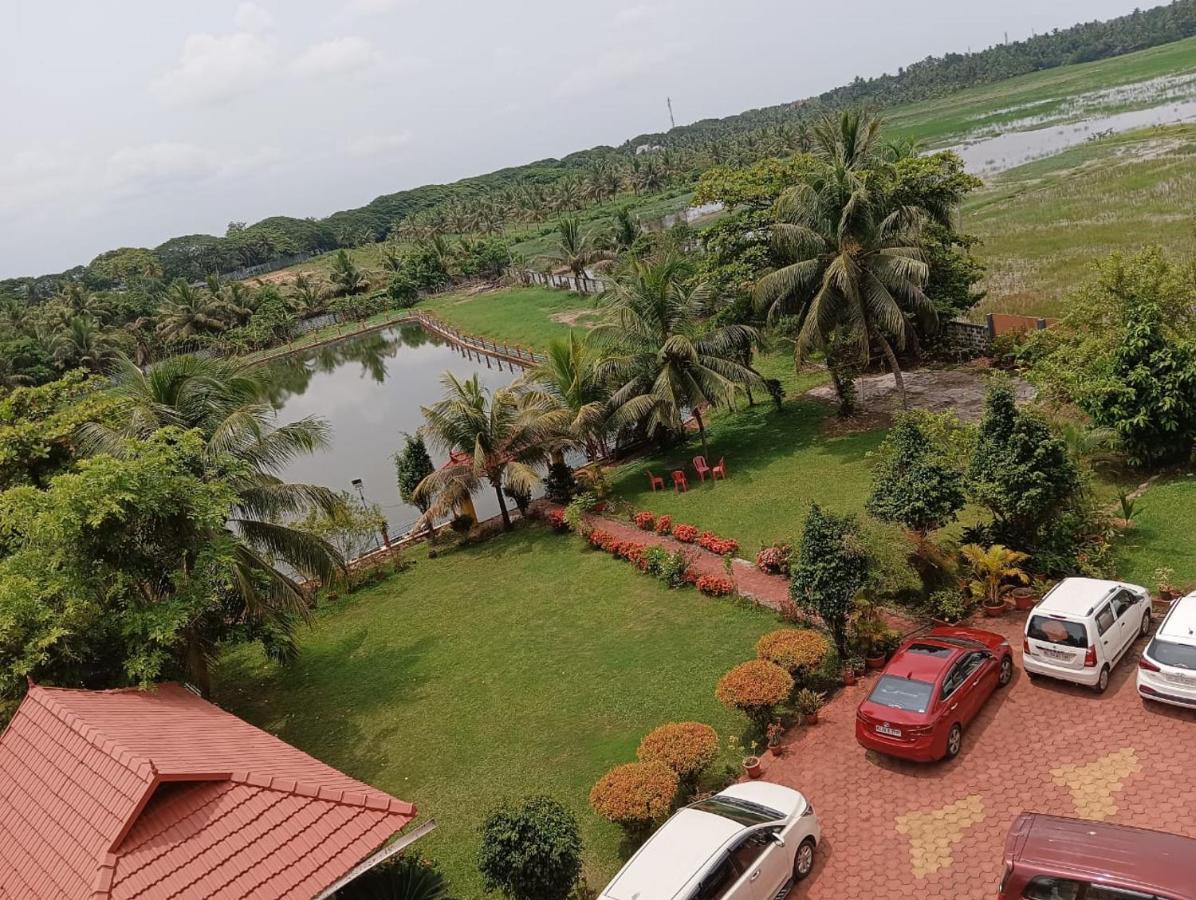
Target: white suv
{"x": 753, "y": 841}
{"x": 1167, "y": 669}
{"x": 1082, "y": 627}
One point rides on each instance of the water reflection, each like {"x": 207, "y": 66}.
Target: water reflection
{"x": 370, "y": 390}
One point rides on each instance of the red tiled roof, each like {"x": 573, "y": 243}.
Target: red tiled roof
{"x": 146, "y": 794}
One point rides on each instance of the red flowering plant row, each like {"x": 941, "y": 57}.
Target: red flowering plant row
{"x": 715, "y": 544}
{"x": 649, "y": 521}
{"x": 715, "y": 585}
{"x": 656, "y": 561}
{"x": 686, "y": 534}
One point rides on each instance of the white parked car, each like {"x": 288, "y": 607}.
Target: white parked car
{"x": 1082, "y": 628}
{"x": 1167, "y": 669}
{"x": 753, "y": 841}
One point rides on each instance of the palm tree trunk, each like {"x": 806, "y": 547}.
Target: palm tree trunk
{"x": 197, "y": 664}
{"x": 502, "y": 506}
{"x": 701, "y": 430}
{"x": 894, "y": 367}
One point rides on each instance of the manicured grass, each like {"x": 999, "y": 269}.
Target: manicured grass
{"x": 1043, "y": 94}
{"x": 524, "y": 665}
{"x": 1044, "y": 224}
{"x": 1163, "y": 534}
{"x": 529, "y": 316}
{"x": 778, "y": 461}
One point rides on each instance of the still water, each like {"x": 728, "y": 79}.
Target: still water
{"x": 370, "y": 390}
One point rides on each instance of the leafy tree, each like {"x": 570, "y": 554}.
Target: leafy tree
{"x": 188, "y": 312}
{"x": 499, "y": 437}
{"x": 571, "y": 377}
{"x": 662, "y": 360}
{"x": 531, "y": 850}
{"x": 346, "y": 278}
{"x": 352, "y": 528}
{"x": 308, "y": 297}
{"x": 832, "y": 566}
{"x": 560, "y": 486}
{"x": 913, "y": 486}
{"x": 412, "y": 466}
{"x": 1149, "y": 398}
{"x": 577, "y": 249}
{"x": 408, "y": 877}
{"x": 1021, "y": 472}
{"x": 853, "y": 253}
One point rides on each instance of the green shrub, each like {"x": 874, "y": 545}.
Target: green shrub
{"x": 832, "y": 565}
{"x": 407, "y": 877}
{"x": 531, "y": 851}
{"x": 912, "y": 485}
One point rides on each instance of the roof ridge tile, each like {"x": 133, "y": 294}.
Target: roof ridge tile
{"x": 134, "y": 763}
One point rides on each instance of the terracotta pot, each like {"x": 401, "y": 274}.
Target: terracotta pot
{"x": 994, "y": 612}
{"x": 751, "y": 765}
{"x": 875, "y": 662}
{"x": 1024, "y": 598}
{"x": 776, "y": 750}
{"x": 599, "y": 507}
{"x": 810, "y": 718}
{"x": 849, "y": 676}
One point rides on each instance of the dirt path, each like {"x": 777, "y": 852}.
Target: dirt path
{"x": 960, "y": 389}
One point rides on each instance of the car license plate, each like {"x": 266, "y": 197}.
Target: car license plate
{"x": 1185, "y": 680}
{"x": 889, "y": 730}
{"x": 1056, "y": 654}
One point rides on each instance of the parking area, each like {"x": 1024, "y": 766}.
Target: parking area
{"x": 938, "y": 831}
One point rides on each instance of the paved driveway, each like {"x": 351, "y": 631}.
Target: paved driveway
{"x": 937, "y": 831}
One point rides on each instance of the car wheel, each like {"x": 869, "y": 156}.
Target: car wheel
{"x": 1144, "y": 630}
{"x": 1006, "y": 675}
{"x": 954, "y": 741}
{"x": 803, "y": 862}
{"x": 1102, "y": 681}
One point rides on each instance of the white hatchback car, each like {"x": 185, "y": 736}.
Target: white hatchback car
{"x": 1082, "y": 628}
{"x": 1167, "y": 669}
{"x": 753, "y": 841}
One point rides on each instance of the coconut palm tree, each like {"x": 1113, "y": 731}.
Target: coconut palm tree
{"x": 188, "y": 312}
{"x": 500, "y": 438}
{"x": 854, "y": 259}
{"x": 245, "y": 450}
{"x": 663, "y": 361}
{"x": 346, "y": 278}
{"x": 571, "y": 378}
{"x": 308, "y": 297}
{"x": 83, "y": 345}
{"x": 577, "y": 249}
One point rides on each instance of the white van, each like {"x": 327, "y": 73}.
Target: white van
{"x": 753, "y": 841}
{"x": 1167, "y": 669}
{"x": 1082, "y": 627}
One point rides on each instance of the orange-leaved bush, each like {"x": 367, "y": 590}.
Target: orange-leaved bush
{"x": 635, "y": 793}
{"x": 716, "y": 585}
{"x": 686, "y": 534}
{"x": 754, "y": 688}
{"x": 685, "y": 747}
{"x": 793, "y": 649}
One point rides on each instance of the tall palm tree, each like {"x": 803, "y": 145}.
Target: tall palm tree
{"x": 83, "y": 345}
{"x": 308, "y": 297}
{"x": 346, "y": 278}
{"x": 577, "y": 249}
{"x": 571, "y": 378}
{"x": 245, "y": 450}
{"x": 663, "y": 361}
{"x": 500, "y": 437}
{"x": 854, "y": 259}
{"x": 187, "y": 312}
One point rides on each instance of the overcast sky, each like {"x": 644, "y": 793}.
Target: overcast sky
{"x": 127, "y": 122}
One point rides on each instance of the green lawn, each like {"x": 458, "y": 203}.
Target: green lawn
{"x": 528, "y": 316}
{"x": 525, "y": 665}
{"x": 1044, "y": 224}
{"x": 1163, "y": 534}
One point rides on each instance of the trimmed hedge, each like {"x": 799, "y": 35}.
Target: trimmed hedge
{"x": 685, "y": 747}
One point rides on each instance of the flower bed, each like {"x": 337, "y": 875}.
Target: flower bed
{"x": 715, "y": 544}
{"x": 715, "y": 585}
{"x": 664, "y": 525}
{"x": 645, "y": 521}
{"x": 556, "y": 519}
{"x": 686, "y": 534}
{"x": 774, "y": 560}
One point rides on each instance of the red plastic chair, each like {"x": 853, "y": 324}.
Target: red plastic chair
{"x": 700, "y": 467}
{"x": 719, "y": 471}
{"x": 656, "y": 481}
{"x": 679, "y": 482}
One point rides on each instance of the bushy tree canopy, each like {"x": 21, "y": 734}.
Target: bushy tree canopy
{"x": 832, "y": 566}
{"x": 913, "y": 486}
{"x": 531, "y": 850}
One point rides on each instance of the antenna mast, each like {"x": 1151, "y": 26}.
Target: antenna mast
{"x": 672, "y": 121}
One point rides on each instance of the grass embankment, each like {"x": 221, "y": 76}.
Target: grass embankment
{"x": 1044, "y": 224}
{"x": 1047, "y": 95}
{"x": 522, "y": 666}
{"x": 529, "y": 316}
{"x": 1163, "y": 534}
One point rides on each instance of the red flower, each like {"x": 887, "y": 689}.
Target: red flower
{"x": 686, "y": 534}
{"x": 716, "y": 585}
{"x": 664, "y": 524}
{"x": 645, "y": 520}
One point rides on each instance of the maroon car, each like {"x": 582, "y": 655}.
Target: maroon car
{"x": 1054, "y": 858}
{"x": 931, "y": 689}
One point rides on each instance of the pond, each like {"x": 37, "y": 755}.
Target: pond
{"x": 370, "y": 389}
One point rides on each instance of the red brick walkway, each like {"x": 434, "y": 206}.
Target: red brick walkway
{"x": 938, "y": 831}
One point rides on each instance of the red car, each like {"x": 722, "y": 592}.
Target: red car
{"x": 931, "y": 689}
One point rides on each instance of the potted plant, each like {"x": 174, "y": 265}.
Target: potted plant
{"x": 1024, "y": 597}
{"x": 774, "y": 733}
{"x": 869, "y": 631}
{"x": 991, "y": 570}
{"x": 751, "y": 762}
{"x": 1163, "y": 579}
{"x": 807, "y": 703}
{"x": 849, "y": 676}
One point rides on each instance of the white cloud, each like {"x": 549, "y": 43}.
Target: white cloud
{"x": 216, "y": 68}
{"x": 171, "y": 165}
{"x": 633, "y": 15}
{"x": 337, "y": 57}
{"x": 371, "y": 7}
{"x": 377, "y": 144}
{"x": 605, "y": 70}
{"x": 251, "y": 17}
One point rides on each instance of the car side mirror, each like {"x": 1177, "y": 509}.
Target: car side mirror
{"x": 777, "y": 839}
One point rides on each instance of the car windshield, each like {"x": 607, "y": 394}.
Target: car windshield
{"x": 1169, "y": 653}
{"x": 1057, "y": 631}
{"x": 742, "y": 811}
{"x": 902, "y": 693}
